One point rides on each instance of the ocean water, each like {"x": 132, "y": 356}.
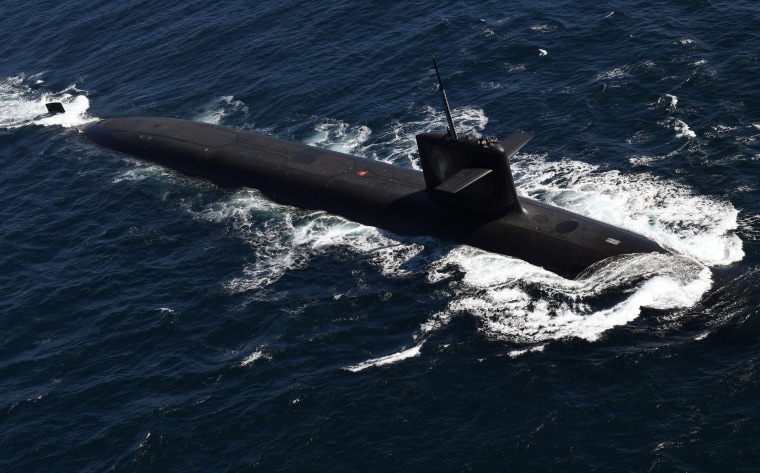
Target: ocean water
{"x": 151, "y": 321}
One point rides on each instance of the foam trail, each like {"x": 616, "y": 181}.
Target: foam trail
{"x": 518, "y": 303}
{"x": 284, "y": 239}
{"x": 24, "y": 105}
{"x": 76, "y": 113}
{"x": 389, "y": 359}
{"x": 517, "y": 353}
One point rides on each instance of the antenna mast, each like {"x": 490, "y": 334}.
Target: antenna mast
{"x": 452, "y": 131}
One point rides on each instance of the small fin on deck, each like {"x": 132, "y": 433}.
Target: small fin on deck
{"x": 514, "y": 142}
{"x": 462, "y": 179}
{"x": 55, "y": 107}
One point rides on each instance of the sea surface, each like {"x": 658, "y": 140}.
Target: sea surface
{"x": 151, "y": 321}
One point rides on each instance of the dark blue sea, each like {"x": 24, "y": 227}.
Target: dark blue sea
{"x": 151, "y": 321}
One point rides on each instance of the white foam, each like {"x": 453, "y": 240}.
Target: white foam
{"x": 523, "y": 304}
{"x": 270, "y": 231}
{"x": 388, "y": 359}
{"x": 144, "y": 442}
{"x": 139, "y": 170}
{"x": 222, "y": 108}
{"x": 517, "y": 353}
{"x": 673, "y": 102}
{"x": 24, "y": 105}
{"x": 337, "y": 136}
{"x": 617, "y": 73}
{"x": 682, "y": 129}
{"x": 543, "y": 28}
{"x": 284, "y": 239}
{"x": 255, "y": 356}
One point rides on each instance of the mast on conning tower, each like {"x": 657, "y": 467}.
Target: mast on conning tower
{"x": 469, "y": 173}
{"x": 445, "y": 100}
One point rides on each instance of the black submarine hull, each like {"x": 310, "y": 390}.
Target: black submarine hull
{"x": 367, "y": 191}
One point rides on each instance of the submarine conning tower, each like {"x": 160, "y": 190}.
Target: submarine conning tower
{"x": 472, "y": 172}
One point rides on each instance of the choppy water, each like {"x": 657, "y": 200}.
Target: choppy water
{"x": 151, "y": 321}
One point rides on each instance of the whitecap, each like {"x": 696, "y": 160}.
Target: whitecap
{"x": 388, "y": 359}
{"x": 223, "y": 107}
{"x": 258, "y": 354}
{"x": 682, "y": 130}
{"x": 673, "y": 102}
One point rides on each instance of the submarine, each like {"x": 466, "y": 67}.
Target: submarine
{"x": 465, "y": 192}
